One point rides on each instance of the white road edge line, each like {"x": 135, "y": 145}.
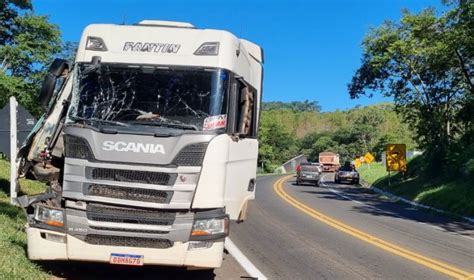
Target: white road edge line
{"x": 247, "y": 265}
{"x": 395, "y": 214}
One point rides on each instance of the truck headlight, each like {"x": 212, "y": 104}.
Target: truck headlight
{"x": 206, "y": 229}
{"x": 49, "y": 216}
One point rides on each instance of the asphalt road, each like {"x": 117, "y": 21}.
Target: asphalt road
{"x": 289, "y": 242}
{"x": 335, "y": 231}
{"x": 230, "y": 269}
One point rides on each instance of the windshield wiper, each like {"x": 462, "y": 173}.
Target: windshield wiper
{"x": 99, "y": 121}
{"x": 166, "y": 123}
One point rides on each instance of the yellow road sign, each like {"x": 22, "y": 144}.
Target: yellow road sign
{"x": 357, "y": 163}
{"x": 396, "y": 157}
{"x": 368, "y": 158}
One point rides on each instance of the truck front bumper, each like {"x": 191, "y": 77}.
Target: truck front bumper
{"x": 52, "y": 245}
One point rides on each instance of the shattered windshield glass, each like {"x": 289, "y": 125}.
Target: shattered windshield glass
{"x": 117, "y": 95}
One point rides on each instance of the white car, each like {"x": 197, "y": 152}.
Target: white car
{"x": 346, "y": 174}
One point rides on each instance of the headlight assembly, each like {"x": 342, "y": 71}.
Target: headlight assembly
{"x": 49, "y": 216}
{"x": 207, "y": 229}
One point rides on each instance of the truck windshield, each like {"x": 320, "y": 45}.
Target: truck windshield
{"x": 346, "y": 168}
{"x": 183, "y": 99}
{"x": 309, "y": 168}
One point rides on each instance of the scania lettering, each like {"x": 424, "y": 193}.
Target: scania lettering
{"x": 148, "y": 146}
{"x": 132, "y": 147}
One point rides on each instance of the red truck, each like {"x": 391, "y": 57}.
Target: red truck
{"x": 329, "y": 161}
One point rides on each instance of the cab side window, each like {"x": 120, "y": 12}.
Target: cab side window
{"x": 246, "y": 110}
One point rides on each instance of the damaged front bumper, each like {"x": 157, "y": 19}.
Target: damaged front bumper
{"x": 97, "y": 232}
{"x": 51, "y": 245}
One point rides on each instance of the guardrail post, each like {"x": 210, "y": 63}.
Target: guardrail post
{"x": 13, "y": 150}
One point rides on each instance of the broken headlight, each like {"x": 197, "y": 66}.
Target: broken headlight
{"x": 77, "y": 147}
{"x": 49, "y": 216}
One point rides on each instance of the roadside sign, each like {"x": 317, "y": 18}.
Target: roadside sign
{"x": 357, "y": 163}
{"x": 368, "y": 158}
{"x": 24, "y": 124}
{"x": 396, "y": 157}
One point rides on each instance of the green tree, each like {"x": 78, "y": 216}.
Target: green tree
{"x": 68, "y": 51}
{"x": 7, "y": 18}
{"x": 300, "y": 106}
{"x": 426, "y": 68}
{"x": 277, "y": 144}
{"x": 286, "y": 133}
{"x": 382, "y": 142}
{"x": 323, "y": 144}
{"x": 29, "y": 43}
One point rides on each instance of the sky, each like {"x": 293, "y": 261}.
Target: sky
{"x": 312, "y": 48}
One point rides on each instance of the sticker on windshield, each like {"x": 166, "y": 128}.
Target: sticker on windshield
{"x": 215, "y": 122}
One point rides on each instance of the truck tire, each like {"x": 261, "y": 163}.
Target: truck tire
{"x": 204, "y": 273}
{"x": 317, "y": 184}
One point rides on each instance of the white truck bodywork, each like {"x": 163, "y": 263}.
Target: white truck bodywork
{"x": 162, "y": 193}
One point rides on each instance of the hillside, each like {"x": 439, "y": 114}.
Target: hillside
{"x": 285, "y": 132}
{"x": 451, "y": 194}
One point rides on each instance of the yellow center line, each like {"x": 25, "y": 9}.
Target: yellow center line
{"x": 428, "y": 262}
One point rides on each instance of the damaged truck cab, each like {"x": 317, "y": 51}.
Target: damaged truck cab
{"x": 148, "y": 146}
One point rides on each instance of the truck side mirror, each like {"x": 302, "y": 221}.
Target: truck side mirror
{"x": 56, "y": 69}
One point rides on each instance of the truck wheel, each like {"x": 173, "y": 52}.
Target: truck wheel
{"x": 356, "y": 182}
{"x": 317, "y": 184}
{"x": 337, "y": 181}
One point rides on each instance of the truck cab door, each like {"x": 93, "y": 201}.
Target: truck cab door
{"x": 242, "y": 155}
{"x": 229, "y": 169}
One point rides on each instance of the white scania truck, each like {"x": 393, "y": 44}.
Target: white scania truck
{"x": 148, "y": 146}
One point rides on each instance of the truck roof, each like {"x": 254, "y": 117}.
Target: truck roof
{"x": 168, "y": 43}
{"x": 165, "y": 23}
{"x": 328, "y": 154}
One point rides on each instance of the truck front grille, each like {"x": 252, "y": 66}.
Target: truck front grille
{"x": 137, "y": 194}
{"x": 110, "y": 240}
{"x": 134, "y": 176}
{"x": 130, "y": 230}
{"x": 191, "y": 155}
{"x": 104, "y": 213}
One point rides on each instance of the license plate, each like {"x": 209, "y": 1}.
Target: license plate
{"x": 124, "y": 259}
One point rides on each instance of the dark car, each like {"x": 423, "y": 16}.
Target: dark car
{"x": 308, "y": 173}
{"x": 347, "y": 174}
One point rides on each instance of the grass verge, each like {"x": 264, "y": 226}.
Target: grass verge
{"x": 13, "y": 261}
{"x": 448, "y": 194}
